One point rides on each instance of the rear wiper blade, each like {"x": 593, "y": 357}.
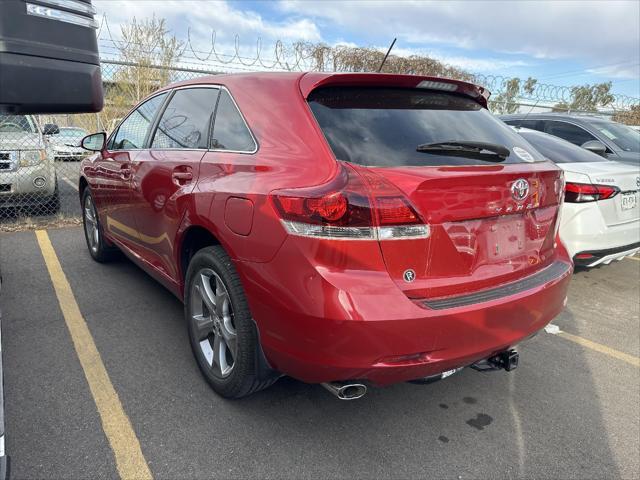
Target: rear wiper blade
{"x": 481, "y": 150}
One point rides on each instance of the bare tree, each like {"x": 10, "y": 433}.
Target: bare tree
{"x": 630, "y": 116}
{"x": 149, "y": 52}
{"x": 342, "y": 58}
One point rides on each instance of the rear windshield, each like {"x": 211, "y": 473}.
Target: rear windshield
{"x": 382, "y": 127}
{"x": 558, "y": 150}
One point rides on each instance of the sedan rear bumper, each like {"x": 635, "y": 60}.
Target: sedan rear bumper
{"x": 583, "y": 229}
{"x": 593, "y": 258}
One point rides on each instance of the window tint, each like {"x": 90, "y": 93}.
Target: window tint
{"x": 568, "y": 131}
{"x": 133, "y": 131}
{"x": 229, "y": 129}
{"x": 558, "y": 150}
{"x": 185, "y": 121}
{"x": 384, "y": 126}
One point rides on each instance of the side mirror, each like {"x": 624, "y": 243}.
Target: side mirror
{"x": 50, "y": 129}
{"x": 596, "y": 147}
{"x": 94, "y": 142}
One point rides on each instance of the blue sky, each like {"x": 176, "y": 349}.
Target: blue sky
{"x": 560, "y": 42}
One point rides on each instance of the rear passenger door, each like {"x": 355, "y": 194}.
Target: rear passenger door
{"x": 230, "y": 175}
{"x": 164, "y": 174}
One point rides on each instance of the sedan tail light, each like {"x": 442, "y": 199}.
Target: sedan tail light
{"x": 356, "y": 205}
{"x": 585, "y": 192}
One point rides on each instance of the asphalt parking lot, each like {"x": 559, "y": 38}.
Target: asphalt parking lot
{"x": 571, "y": 410}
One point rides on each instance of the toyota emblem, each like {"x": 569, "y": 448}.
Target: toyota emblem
{"x": 520, "y": 189}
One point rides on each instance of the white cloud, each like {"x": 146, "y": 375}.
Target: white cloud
{"x": 202, "y": 18}
{"x": 618, "y": 71}
{"x": 597, "y": 32}
{"x": 472, "y": 64}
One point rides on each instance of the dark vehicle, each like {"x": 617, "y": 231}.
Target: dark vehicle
{"x": 608, "y": 139}
{"x": 49, "y": 57}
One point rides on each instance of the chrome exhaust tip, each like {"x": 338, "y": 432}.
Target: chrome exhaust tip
{"x": 345, "y": 390}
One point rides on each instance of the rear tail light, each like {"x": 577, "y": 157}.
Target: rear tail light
{"x": 355, "y": 205}
{"x": 586, "y": 192}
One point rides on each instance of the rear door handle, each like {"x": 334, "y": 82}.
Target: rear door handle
{"x": 182, "y": 175}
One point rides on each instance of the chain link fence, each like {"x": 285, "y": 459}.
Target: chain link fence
{"x": 40, "y": 154}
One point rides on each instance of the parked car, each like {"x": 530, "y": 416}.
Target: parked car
{"x": 600, "y": 219}
{"x": 342, "y": 229}
{"x": 606, "y": 138}
{"x": 27, "y": 173}
{"x": 66, "y": 144}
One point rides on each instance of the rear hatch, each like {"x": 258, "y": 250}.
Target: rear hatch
{"x": 492, "y": 216}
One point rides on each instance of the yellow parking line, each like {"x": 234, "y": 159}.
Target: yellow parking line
{"x": 637, "y": 259}
{"x": 598, "y": 347}
{"x": 130, "y": 461}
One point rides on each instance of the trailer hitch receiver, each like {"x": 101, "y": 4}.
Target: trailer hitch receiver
{"x": 507, "y": 360}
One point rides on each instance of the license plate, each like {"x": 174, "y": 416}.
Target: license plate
{"x": 506, "y": 238}
{"x": 628, "y": 201}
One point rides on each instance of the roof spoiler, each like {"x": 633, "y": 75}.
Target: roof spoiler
{"x": 311, "y": 81}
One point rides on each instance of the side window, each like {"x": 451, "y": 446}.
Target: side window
{"x": 133, "y": 130}
{"x": 568, "y": 131}
{"x": 532, "y": 124}
{"x": 185, "y": 121}
{"x": 229, "y": 130}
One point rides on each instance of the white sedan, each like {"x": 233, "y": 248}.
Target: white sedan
{"x": 600, "y": 217}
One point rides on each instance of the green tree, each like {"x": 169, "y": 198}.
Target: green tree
{"x": 507, "y": 100}
{"x": 587, "y": 98}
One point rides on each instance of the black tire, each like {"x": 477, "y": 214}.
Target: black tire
{"x": 245, "y": 376}
{"x": 101, "y": 251}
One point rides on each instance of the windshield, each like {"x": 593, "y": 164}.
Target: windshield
{"x": 624, "y": 137}
{"x": 69, "y": 135}
{"x": 385, "y": 126}
{"x": 558, "y": 150}
{"x": 17, "y": 124}
{"x": 72, "y": 132}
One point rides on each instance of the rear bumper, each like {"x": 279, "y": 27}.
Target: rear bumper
{"x": 357, "y": 325}
{"x": 583, "y": 229}
{"x": 593, "y": 258}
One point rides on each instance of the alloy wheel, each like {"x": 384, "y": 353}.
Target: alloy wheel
{"x": 91, "y": 224}
{"x": 212, "y": 322}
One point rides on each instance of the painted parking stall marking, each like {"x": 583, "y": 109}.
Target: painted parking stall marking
{"x": 117, "y": 427}
{"x": 598, "y": 347}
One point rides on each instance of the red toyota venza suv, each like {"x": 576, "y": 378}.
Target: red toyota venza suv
{"x": 343, "y": 229}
